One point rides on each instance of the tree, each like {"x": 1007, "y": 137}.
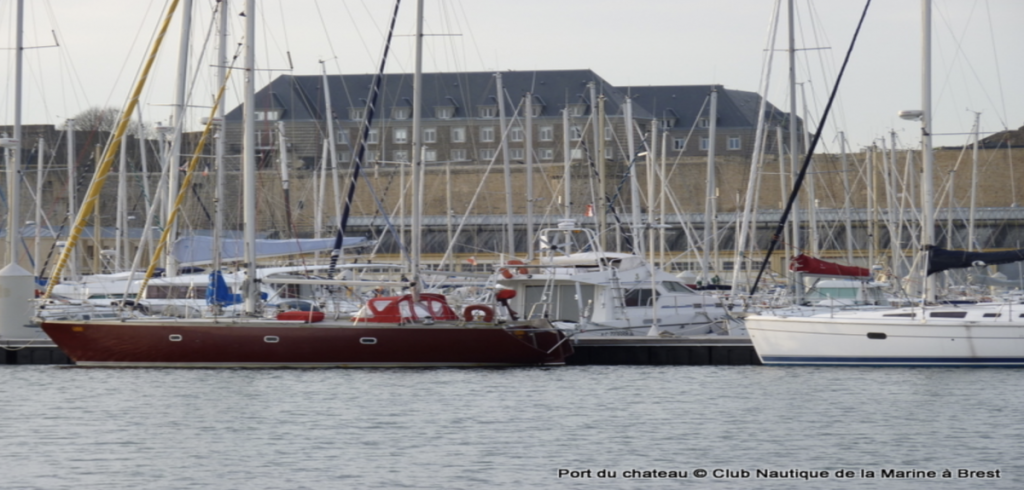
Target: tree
{"x": 103, "y": 119}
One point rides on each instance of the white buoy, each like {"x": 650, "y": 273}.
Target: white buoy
{"x": 17, "y": 290}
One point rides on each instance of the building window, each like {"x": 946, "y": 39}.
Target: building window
{"x": 356, "y": 114}
{"x": 609, "y": 154}
{"x": 400, "y": 113}
{"x": 575, "y": 133}
{"x": 265, "y": 138}
{"x": 577, "y": 153}
{"x": 515, "y": 153}
{"x": 444, "y": 112}
{"x": 486, "y": 154}
{"x": 430, "y": 135}
{"x": 679, "y": 144}
{"x": 734, "y": 143}
{"x": 537, "y": 109}
{"x": 342, "y": 136}
{"x": 488, "y": 112}
{"x": 401, "y": 155}
{"x": 459, "y": 155}
{"x": 344, "y": 156}
{"x": 487, "y": 133}
{"x": 429, "y": 155}
{"x": 267, "y": 116}
{"x": 609, "y": 133}
{"x": 373, "y": 137}
{"x": 401, "y": 135}
{"x": 577, "y": 110}
{"x": 459, "y": 135}
{"x": 372, "y": 156}
{"x": 546, "y": 154}
{"x": 704, "y": 122}
{"x": 704, "y": 143}
{"x": 516, "y": 134}
{"x": 547, "y": 133}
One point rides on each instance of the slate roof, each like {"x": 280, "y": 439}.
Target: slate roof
{"x": 301, "y": 97}
{"x": 736, "y": 108}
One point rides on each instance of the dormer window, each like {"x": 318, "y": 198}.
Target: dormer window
{"x": 267, "y": 115}
{"x": 488, "y": 111}
{"x": 577, "y": 110}
{"x": 444, "y": 112}
{"x": 400, "y": 113}
{"x": 704, "y": 122}
{"x": 356, "y": 114}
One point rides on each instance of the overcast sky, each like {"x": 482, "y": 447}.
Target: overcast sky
{"x": 978, "y": 48}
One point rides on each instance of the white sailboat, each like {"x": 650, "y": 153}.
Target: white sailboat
{"x": 990, "y": 334}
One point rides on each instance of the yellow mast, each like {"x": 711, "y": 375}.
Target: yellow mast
{"x": 155, "y": 259}
{"x": 100, "y": 177}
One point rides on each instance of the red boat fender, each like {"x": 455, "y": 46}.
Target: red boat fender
{"x": 301, "y": 316}
{"x": 507, "y": 274}
{"x": 486, "y": 310}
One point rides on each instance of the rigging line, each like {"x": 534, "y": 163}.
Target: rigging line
{"x": 810, "y": 152}
{"x": 999, "y": 76}
{"x": 966, "y": 59}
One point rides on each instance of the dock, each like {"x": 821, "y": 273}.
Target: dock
{"x": 31, "y": 352}
{"x": 705, "y": 350}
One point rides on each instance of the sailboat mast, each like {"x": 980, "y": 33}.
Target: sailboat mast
{"x": 249, "y": 159}
{"x": 928, "y": 170}
{"x": 218, "y": 196}
{"x": 14, "y": 161}
{"x": 634, "y": 184}
{"x": 179, "y": 123}
{"x": 417, "y": 157}
{"x": 974, "y": 182}
{"x": 506, "y": 165}
{"x": 793, "y": 142}
{"x": 709, "y": 197}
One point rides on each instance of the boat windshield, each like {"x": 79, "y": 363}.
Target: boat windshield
{"x": 675, "y": 287}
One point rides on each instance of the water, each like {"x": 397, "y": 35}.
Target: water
{"x": 80, "y": 428}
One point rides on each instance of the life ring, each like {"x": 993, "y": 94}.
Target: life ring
{"x": 468, "y": 313}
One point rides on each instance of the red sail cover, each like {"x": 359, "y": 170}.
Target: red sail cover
{"x": 811, "y": 265}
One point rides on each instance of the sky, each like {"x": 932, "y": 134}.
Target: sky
{"x": 977, "y": 52}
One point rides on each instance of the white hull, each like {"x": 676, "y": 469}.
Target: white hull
{"x": 880, "y": 338}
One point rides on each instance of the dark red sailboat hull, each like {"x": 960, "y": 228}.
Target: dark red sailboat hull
{"x": 268, "y": 344}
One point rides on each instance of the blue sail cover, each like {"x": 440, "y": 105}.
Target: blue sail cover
{"x": 940, "y": 259}
{"x": 199, "y": 249}
{"x": 218, "y": 292}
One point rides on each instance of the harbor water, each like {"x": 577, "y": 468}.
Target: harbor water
{"x": 569, "y": 427}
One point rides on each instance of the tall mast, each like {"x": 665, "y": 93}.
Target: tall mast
{"x": 39, "y": 205}
{"x": 507, "y": 165}
{"x": 14, "y": 161}
{"x": 634, "y": 184}
{"x": 529, "y": 174}
{"x": 332, "y": 145}
{"x": 179, "y": 124}
{"x": 218, "y": 195}
{"x": 417, "y": 157}
{"x": 793, "y": 142}
{"x": 69, "y": 128}
{"x": 928, "y": 186}
{"x": 974, "y": 182}
{"x": 249, "y": 159}
{"x": 709, "y": 197}
{"x": 567, "y": 158}
{"x": 846, "y": 198}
